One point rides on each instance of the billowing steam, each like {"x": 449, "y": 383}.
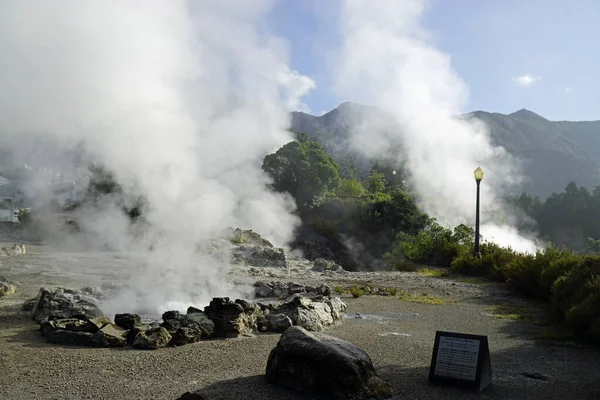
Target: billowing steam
{"x": 386, "y": 60}
{"x": 180, "y": 101}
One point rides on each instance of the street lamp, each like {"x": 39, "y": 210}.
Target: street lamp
{"x": 478, "y": 177}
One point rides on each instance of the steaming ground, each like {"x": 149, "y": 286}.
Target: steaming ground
{"x": 397, "y": 334}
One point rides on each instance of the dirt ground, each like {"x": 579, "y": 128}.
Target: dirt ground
{"x": 396, "y": 331}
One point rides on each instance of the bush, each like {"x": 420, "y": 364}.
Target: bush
{"x": 356, "y": 291}
{"x": 491, "y": 264}
{"x": 434, "y": 245}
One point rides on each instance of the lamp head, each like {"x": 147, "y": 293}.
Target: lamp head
{"x": 478, "y": 174}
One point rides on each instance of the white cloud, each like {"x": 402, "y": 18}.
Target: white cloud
{"x": 568, "y": 90}
{"x": 526, "y": 80}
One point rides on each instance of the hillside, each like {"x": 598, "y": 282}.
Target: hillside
{"x": 553, "y": 152}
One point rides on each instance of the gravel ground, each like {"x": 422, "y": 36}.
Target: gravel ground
{"x": 397, "y": 334}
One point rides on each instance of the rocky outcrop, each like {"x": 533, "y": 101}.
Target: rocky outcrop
{"x": 257, "y": 256}
{"x": 322, "y": 365}
{"x": 14, "y": 250}
{"x": 62, "y": 303}
{"x": 284, "y": 289}
{"x": 252, "y": 250}
{"x": 232, "y": 318}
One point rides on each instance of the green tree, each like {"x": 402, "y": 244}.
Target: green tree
{"x": 303, "y": 169}
{"x": 351, "y": 187}
{"x": 376, "y": 183}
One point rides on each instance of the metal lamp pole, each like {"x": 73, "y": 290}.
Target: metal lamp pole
{"x": 478, "y": 177}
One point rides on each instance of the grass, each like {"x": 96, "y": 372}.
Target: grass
{"x": 436, "y": 273}
{"x": 521, "y": 311}
{"x": 424, "y": 298}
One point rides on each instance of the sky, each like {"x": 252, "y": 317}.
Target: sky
{"x": 512, "y": 54}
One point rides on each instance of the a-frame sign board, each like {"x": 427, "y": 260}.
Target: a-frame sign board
{"x": 462, "y": 360}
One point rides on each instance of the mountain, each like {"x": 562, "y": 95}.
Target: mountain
{"x": 552, "y": 152}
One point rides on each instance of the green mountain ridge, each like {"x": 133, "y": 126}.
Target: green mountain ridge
{"x": 552, "y": 153}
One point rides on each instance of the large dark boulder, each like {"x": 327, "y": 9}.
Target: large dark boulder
{"x": 322, "y": 365}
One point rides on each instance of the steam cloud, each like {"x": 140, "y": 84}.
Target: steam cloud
{"x": 179, "y": 100}
{"x": 386, "y": 60}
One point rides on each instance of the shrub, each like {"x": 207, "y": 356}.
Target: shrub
{"x": 577, "y": 296}
{"x": 356, "y": 291}
{"x": 491, "y": 264}
{"x": 434, "y": 245}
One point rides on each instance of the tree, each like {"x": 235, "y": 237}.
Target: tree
{"x": 303, "y": 169}
{"x": 351, "y": 188}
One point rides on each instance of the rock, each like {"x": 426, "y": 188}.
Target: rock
{"x": 186, "y": 335}
{"x": 311, "y": 313}
{"x": 143, "y": 327}
{"x": 322, "y": 265}
{"x": 285, "y": 289}
{"x": 323, "y": 290}
{"x": 111, "y": 335}
{"x": 15, "y": 250}
{"x": 127, "y": 321}
{"x": 61, "y": 336}
{"x": 28, "y": 305}
{"x": 322, "y": 365}
{"x": 232, "y": 319}
{"x": 193, "y": 310}
{"x": 7, "y": 289}
{"x": 263, "y": 324}
{"x": 152, "y": 339}
{"x": 279, "y": 322}
{"x": 338, "y": 307}
{"x": 172, "y": 325}
{"x": 263, "y": 289}
{"x": 68, "y": 324}
{"x": 257, "y": 256}
{"x": 249, "y": 237}
{"x": 199, "y": 321}
{"x": 63, "y": 303}
{"x": 172, "y": 315}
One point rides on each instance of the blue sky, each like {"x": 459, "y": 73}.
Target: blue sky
{"x": 543, "y": 55}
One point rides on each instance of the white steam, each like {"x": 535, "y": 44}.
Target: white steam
{"x": 179, "y": 100}
{"x": 386, "y": 60}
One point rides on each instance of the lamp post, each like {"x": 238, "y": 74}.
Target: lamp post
{"x": 478, "y": 177}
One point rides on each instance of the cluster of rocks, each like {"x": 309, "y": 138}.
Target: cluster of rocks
{"x": 14, "y": 250}
{"x": 278, "y": 289}
{"x": 69, "y": 316}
